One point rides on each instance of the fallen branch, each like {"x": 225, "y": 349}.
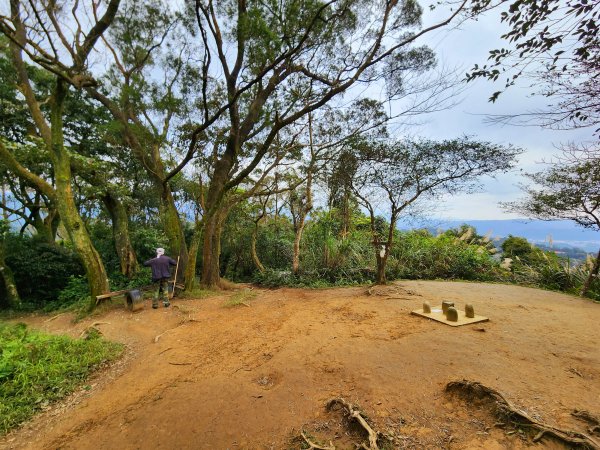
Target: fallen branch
{"x": 180, "y": 364}
{"x": 54, "y": 317}
{"x": 356, "y": 415}
{"x": 576, "y": 372}
{"x": 312, "y": 445}
{"x": 506, "y": 409}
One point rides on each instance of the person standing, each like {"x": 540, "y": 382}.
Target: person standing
{"x": 161, "y": 273}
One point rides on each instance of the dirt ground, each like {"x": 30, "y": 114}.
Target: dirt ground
{"x": 200, "y": 375}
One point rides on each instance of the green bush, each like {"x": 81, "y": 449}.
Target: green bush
{"x": 146, "y": 239}
{"x": 419, "y": 255}
{"x": 102, "y": 237}
{"x": 76, "y": 291}
{"x": 142, "y": 278}
{"x": 517, "y": 247}
{"x": 37, "y": 369}
{"x": 41, "y": 270}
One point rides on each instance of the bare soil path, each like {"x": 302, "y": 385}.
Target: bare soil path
{"x": 200, "y": 375}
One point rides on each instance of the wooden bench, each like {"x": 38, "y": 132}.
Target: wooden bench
{"x": 108, "y": 295}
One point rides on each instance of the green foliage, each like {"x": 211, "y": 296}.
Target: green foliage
{"x": 77, "y": 290}
{"x": 102, "y": 237}
{"x": 556, "y": 44}
{"x": 41, "y": 270}
{"x": 532, "y": 266}
{"x": 37, "y": 369}
{"x": 146, "y": 239}
{"x": 419, "y": 255}
{"x": 142, "y": 278}
{"x": 516, "y": 247}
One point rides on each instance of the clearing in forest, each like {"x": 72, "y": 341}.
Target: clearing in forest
{"x": 215, "y": 374}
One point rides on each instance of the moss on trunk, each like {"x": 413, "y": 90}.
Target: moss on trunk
{"x": 120, "y": 228}
{"x": 190, "y": 270}
{"x": 211, "y": 252}
{"x": 12, "y": 295}
{"x": 78, "y": 234}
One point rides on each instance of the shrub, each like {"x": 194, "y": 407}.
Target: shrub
{"x": 41, "y": 270}
{"x": 419, "y": 255}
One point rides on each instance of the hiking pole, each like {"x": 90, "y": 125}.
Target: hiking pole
{"x": 175, "y": 279}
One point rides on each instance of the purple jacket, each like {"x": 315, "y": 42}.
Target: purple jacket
{"x": 160, "y": 267}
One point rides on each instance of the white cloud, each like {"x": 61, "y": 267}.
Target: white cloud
{"x": 463, "y": 48}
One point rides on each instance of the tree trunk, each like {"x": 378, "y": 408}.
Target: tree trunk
{"x": 12, "y": 295}
{"x": 383, "y": 249}
{"x": 120, "y": 228}
{"x": 255, "y": 257}
{"x": 211, "y": 251}
{"x": 381, "y": 263}
{"x": 172, "y": 226}
{"x": 297, "y": 240}
{"x": 190, "y": 270}
{"x": 215, "y": 213}
{"x": 78, "y": 234}
{"x": 46, "y": 227}
{"x": 593, "y": 274}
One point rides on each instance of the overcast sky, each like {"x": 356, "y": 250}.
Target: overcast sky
{"x": 464, "y": 48}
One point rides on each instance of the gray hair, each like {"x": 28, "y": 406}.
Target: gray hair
{"x": 160, "y": 251}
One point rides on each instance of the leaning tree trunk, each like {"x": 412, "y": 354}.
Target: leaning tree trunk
{"x": 120, "y": 228}
{"x": 12, "y": 295}
{"x": 593, "y": 274}
{"x": 78, "y": 234}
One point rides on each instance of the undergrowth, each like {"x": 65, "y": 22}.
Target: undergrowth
{"x": 37, "y": 369}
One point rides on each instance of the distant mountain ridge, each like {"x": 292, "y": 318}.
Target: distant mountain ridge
{"x": 560, "y": 232}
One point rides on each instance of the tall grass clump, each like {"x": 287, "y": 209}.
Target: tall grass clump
{"x": 420, "y": 255}
{"x": 37, "y": 369}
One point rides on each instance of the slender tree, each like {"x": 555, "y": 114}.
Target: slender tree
{"x": 395, "y": 176}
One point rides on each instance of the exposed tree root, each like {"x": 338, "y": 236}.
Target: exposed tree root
{"x": 312, "y": 445}
{"x": 593, "y": 420}
{"x": 356, "y": 415}
{"x": 507, "y": 410}
{"x": 54, "y": 317}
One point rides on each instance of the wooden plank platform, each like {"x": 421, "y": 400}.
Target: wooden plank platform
{"x": 124, "y": 291}
{"x": 437, "y": 315}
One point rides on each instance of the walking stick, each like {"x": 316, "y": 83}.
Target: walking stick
{"x": 175, "y": 279}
